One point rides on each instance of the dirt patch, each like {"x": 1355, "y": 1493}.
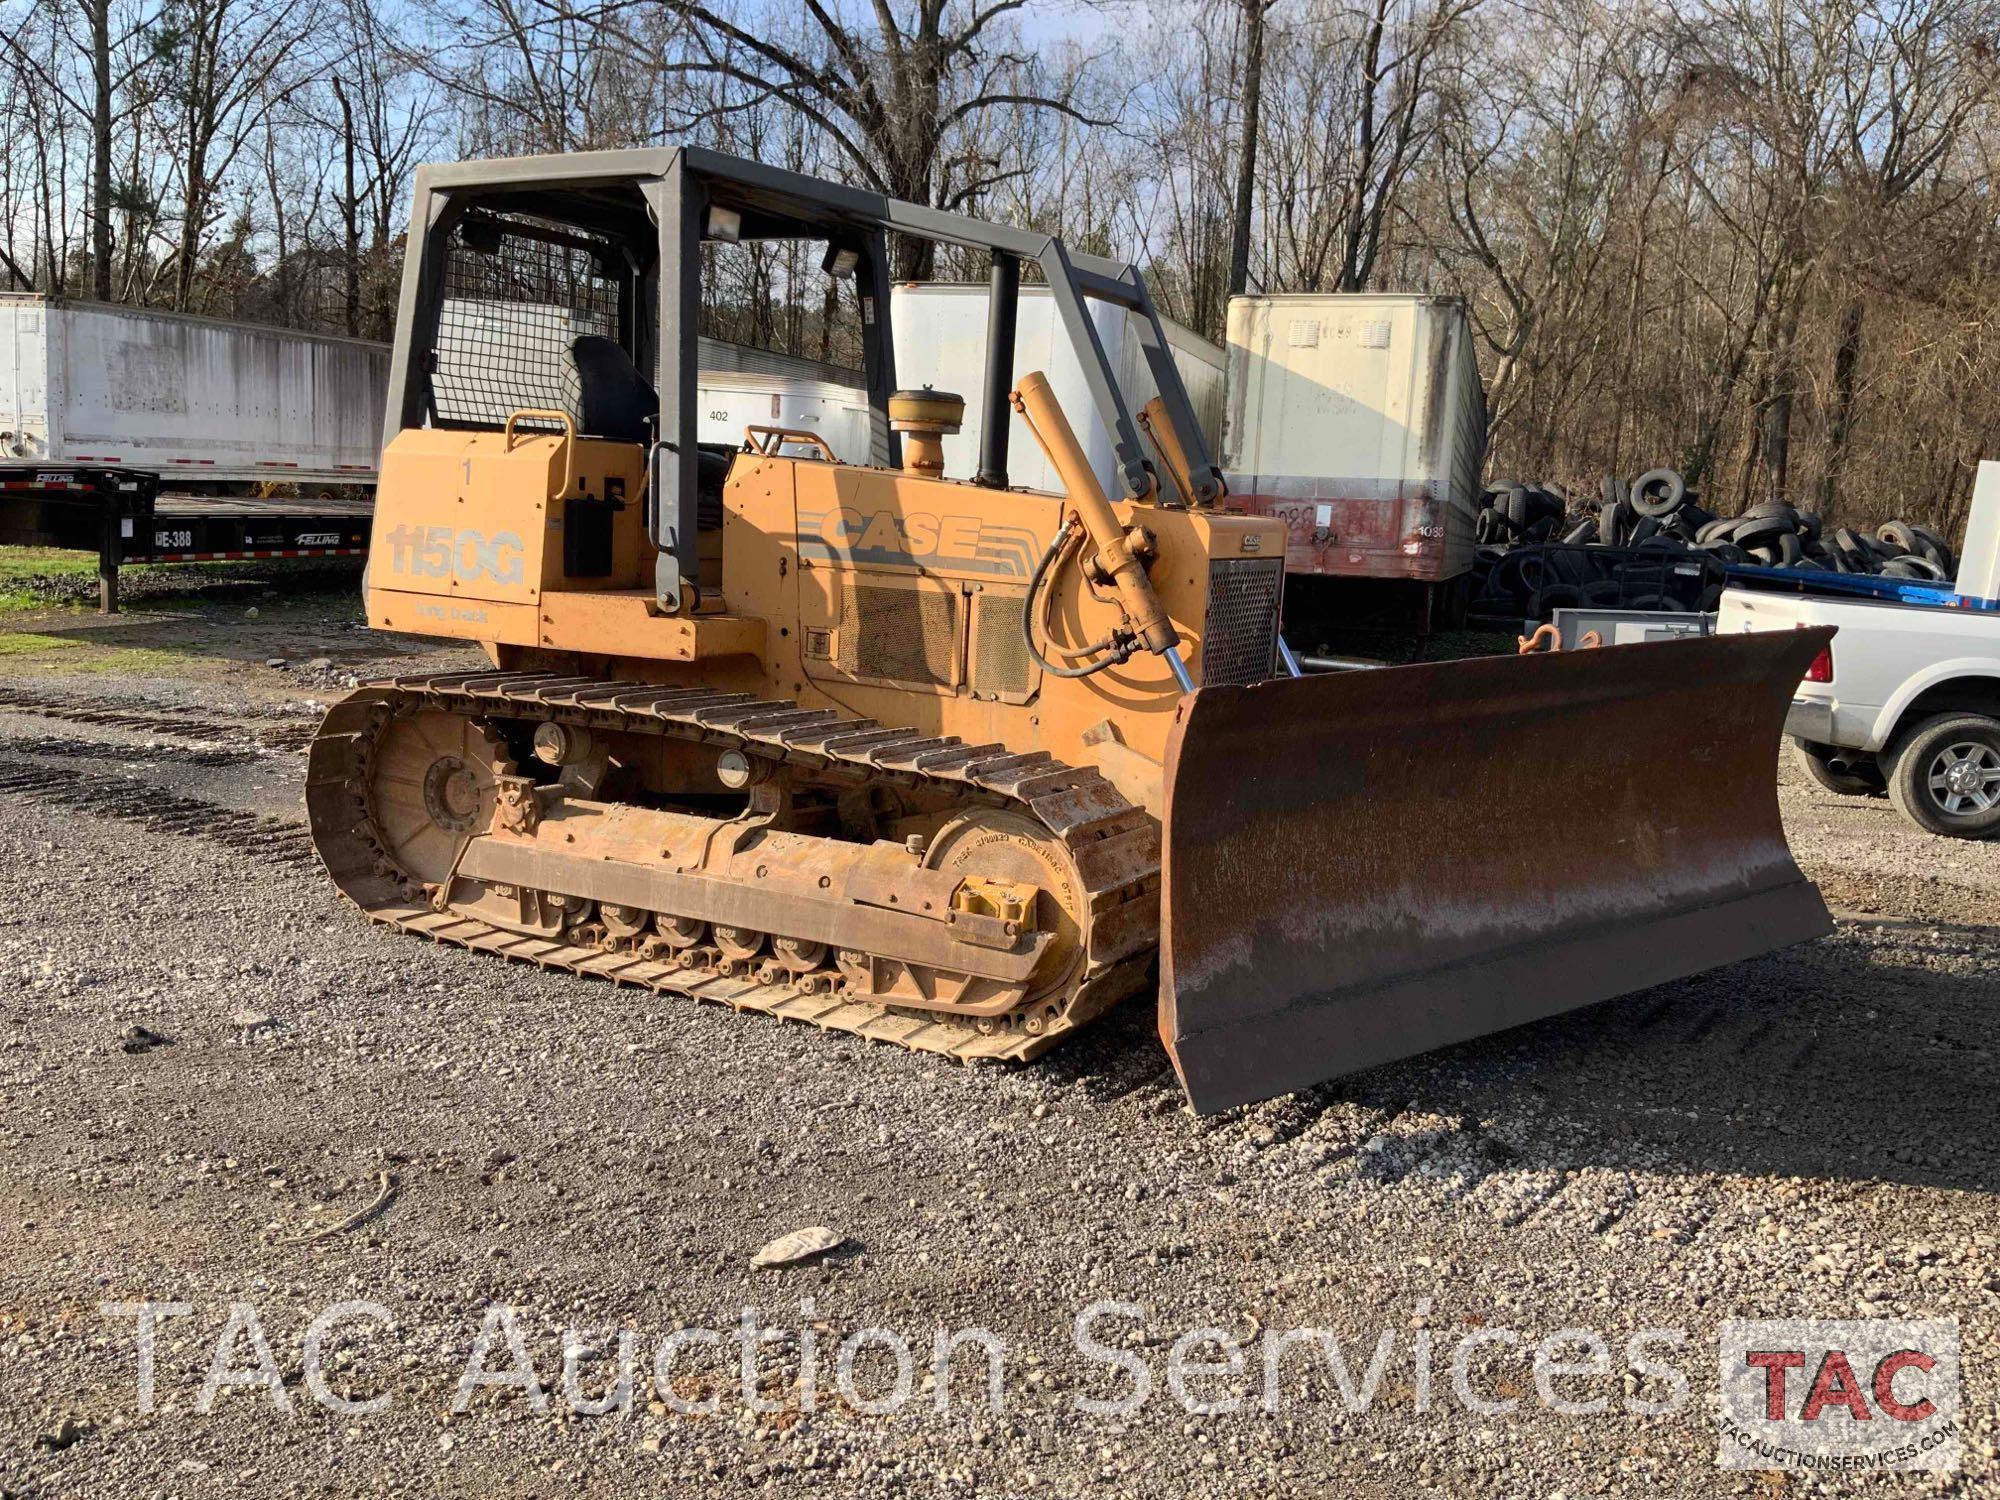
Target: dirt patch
{"x": 330, "y": 1113}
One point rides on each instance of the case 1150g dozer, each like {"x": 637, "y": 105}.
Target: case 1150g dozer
{"x": 951, "y": 764}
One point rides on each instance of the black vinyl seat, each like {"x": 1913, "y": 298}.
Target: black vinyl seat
{"x": 614, "y": 400}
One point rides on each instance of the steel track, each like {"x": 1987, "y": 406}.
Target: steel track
{"x": 1113, "y": 846}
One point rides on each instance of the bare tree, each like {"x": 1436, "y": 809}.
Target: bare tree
{"x": 899, "y": 97}
{"x": 1354, "y": 112}
{"x": 231, "y": 61}
{"x": 1254, "y": 12}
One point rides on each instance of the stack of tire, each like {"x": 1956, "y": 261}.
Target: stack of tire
{"x": 1778, "y": 536}
{"x": 1513, "y": 515}
{"x": 1532, "y": 582}
{"x": 1657, "y": 515}
{"x": 1656, "y": 504}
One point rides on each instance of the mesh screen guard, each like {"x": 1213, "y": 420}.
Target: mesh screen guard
{"x": 514, "y": 297}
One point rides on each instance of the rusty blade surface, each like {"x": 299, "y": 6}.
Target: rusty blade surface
{"x": 1364, "y": 866}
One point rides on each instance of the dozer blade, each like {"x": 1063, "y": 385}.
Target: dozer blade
{"x": 1364, "y": 866}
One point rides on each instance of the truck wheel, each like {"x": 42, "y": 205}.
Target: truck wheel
{"x": 1834, "y": 770}
{"x": 1945, "y": 777}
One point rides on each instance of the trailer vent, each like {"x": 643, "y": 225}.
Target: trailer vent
{"x": 898, "y": 635}
{"x": 1239, "y": 641}
{"x": 1000, "y": 664}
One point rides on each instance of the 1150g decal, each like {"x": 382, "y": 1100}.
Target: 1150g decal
{"x": 464, "y": 554}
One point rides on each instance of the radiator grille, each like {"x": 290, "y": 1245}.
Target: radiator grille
{"x": 1239, "y": 642}
{"x": 903, "y": 635}
{"x": 1000, "y": 662}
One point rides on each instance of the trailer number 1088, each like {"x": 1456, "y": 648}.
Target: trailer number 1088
{"x": 464, "y": 554}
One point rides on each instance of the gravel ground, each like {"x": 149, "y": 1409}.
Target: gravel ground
{"x": 335, "y": 1113}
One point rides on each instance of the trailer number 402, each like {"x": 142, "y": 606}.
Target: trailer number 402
{"x": 467, "y": 555}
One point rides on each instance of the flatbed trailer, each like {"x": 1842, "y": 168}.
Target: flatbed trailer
{"x": 123, "y": 516}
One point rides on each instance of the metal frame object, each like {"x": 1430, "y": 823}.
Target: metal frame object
{"x": 662, "y": 203}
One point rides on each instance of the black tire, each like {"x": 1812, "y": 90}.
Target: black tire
{"x": 1753, "y": 531}
{"x": 1658, "y": 492}
{"x": 1897, "y": 534}
{"x": 1933, "y": 546}
{"x": 1615, "y": 523}
{"x": 1546, "y": 601}
{"x": 1850, "y": 780}
{"x": 1929, "y": 789}
{"x": 1880, "y": 551}
{"x": 1582, "y": 534}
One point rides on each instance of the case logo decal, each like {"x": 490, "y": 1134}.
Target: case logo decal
{"x": 916, "y": 539}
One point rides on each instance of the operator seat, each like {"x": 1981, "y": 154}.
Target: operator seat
{"x": 614, "y": 400}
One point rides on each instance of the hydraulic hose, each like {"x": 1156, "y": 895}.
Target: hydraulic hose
{"x": 1144, "y": 614}
{"x": 1029, "y": 615}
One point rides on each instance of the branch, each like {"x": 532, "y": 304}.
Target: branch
{"x": 1030, "y": 101}
{"x": 783, "y": 93}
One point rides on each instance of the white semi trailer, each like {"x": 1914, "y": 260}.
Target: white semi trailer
{"x": 152, "y": 436}
{"x": 1359, "y": 420}
{"x": 199, "y": 401}
{"x": 940, "y": 330}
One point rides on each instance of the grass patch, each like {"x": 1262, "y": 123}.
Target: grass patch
{"x": 30, "y": 577}
{"x": 28, "y": 643}
{"x": 131, "y": 660}
{"x": 63, "y": 655}
{"x": 50, "y": 578}
{"x": 30, "y": 562}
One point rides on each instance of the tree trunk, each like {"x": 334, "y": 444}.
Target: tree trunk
{"x": 1246, "y": 156}
{"x": 1355, "y": 212}
{"x": 1840, "y": 419}
{"x": 1783, "y": 389}
{"x": 350, "y": 213}
{"x": 100, "y": 149}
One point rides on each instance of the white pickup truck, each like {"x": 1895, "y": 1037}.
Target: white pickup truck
{"x": 1904, "y": 702}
